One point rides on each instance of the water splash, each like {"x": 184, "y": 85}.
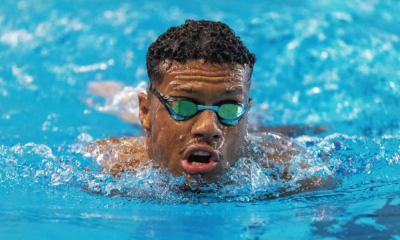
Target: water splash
{"x": 349, "y": 162}
{"x": 117, "y": 99}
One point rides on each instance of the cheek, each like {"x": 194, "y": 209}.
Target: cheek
{"x": 234, "y": 140}
{"x": 235, "y": 137}
{"x": 167, "y": 135}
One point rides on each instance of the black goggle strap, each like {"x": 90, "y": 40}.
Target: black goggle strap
{"x": 164, "y": 101}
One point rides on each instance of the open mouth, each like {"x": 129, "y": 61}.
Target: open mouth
{"x": 199, "y": 159}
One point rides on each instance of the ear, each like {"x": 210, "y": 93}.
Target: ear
{"x": 144, "y": 114}
{"x": 250, "y": 102}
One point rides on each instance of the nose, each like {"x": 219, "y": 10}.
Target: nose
{"x": 206, "y": 126}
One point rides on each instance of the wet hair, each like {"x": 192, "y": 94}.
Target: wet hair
{"x": 215, "y": 42}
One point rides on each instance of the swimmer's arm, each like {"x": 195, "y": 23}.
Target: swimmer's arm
{"x": 108, "y": 90}
{"x": 292, "y": 130}
{"x": 283, "y": 157}
{"x": 118, "y": 155}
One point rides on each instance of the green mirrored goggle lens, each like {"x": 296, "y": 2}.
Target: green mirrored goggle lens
{"x": 230, "y": 111}
{"x": 184, "y": 108}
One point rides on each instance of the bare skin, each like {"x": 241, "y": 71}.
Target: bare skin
{"x": 167, "y": 141}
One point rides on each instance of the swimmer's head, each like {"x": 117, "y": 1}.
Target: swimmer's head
{"x": 195, "y": 111}
{"x": 213, "y": 42}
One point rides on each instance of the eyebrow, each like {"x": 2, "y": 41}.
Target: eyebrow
{"x": 234, "y": 90}
{"x": 227, "y": 91}
{"x": 184, "y": 89}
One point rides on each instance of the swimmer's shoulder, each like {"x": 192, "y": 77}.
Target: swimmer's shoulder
{"x": 117, "y": 155}
{"x": 276, "y": 150}
{"x": 274, "y": 146}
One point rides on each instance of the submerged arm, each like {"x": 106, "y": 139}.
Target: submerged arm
{"x": 118, "y": 155}
{"x": 292, "y": 130}
{"x": 278, "y": 152}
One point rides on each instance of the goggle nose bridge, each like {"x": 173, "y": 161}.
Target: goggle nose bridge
{"x": 202, "y": 107}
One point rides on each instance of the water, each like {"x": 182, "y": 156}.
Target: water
{"x": 325, "y": 63}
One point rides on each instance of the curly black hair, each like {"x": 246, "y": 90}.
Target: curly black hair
{"x": 215, "y": 42}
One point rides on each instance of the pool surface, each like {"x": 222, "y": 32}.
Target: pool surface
{"x": 318, "y": 62}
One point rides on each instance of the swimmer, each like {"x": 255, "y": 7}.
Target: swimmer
{"x": 194, "y": 113}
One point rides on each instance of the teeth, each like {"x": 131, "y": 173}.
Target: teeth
{"x": 198, "y": 163}
{"x": 201, "y": 153}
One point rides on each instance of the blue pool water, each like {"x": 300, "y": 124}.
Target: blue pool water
{"x": 327, "y": 62}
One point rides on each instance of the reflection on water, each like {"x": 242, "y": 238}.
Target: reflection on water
{"x": 355, "y": 206}
{"x": 381, "y": 224}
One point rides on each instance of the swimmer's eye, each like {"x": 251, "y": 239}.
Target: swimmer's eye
{"x": 184, "y": 108}
{"x": 230, "y": 111}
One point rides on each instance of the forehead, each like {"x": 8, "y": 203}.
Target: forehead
{"x": 194, "y": 72}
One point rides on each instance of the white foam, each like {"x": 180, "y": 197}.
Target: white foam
{"x": 14, "y": 38}
{"x": 119, "y": 100}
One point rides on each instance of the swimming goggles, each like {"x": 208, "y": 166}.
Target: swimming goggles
{"x": 182, "y": 109}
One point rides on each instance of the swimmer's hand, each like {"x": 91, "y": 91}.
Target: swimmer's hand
{"x": 118, "y": 155}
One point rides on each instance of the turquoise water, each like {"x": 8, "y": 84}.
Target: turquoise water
{"x": 323, "y": 63}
